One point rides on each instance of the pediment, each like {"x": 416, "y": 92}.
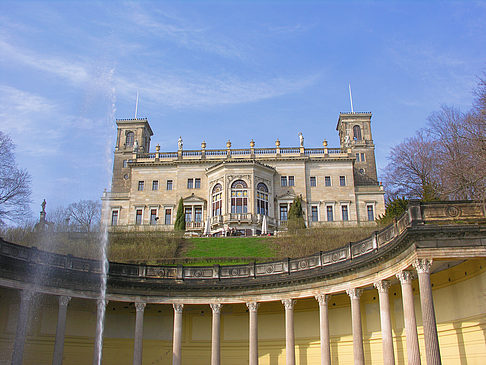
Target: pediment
{"x": 193, "y": 199}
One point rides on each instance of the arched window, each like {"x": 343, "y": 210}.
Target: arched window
{"x": 357, "y": 132}
{"x": 216, "y": 199}
{"x": 130, "y": 137}
{"x": 239, "y": 197}
{"x": 262, "y": 199}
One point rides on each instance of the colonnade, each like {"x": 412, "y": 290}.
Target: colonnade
{"x": 422, "y": 267}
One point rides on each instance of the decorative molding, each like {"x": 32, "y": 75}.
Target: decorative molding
{"x": 64, "y": 300}
{"x": 382, "y": 286}
{"x": 178, "y": 308}
{"x": 323, "y": 299}
{"x": 354, "y": 293}
{"x": 422, "y": 265}
{"x": 288, "y": 303}
{"x": 405, "y": 277}
{"x": 101, "y": 302}
{"x": 216, "y": 307}
{"x": 140, "y": 306}
{"x": 252, "y": 306}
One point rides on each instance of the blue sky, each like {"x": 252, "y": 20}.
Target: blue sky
{"x": 215, "y": 71}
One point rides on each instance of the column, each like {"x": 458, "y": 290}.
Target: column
{"x": 22, "y": 319}
{"x": 138, "y": 340}
{"x": 289, "y": 331}
{"x": 100, "y": 317}
{"x": 215, "y": 334}
{"x": 177, "y": 337}
{"x": 358, "y": 351}
{"x": 386, "y": 329}
{"x": 60, "y": 330}
{"x": 432, "y": 351}
{"x": 252, "y": 309}
{"x": 413, "y": 351}
{"x": 324, "y": 329}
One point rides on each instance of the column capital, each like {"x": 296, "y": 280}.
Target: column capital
{"x": 216, "y": 307}
{"x": 322, "y": 298}
{"x": 64, "y": 300}
{"x": 382, "y": 286}
{"x": 26, "y": 294}
{"x": 405, "y": 276}
{"x": 140, "y": 306}
{"x": 288, "y": 303}
{"x": 354, "y": 293}
{"x": 102, "y": 302}
{"x": 422, "y": 265}
{"x": 178, "y": 307}
{"x": 252, "y": 306}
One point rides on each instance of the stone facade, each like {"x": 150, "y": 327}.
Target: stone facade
{"x": 236, "y": 188}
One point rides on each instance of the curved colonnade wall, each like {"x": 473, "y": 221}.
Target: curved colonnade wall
{"x": 412, "y": 292}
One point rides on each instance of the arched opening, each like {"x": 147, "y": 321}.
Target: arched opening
{"x": 357, "y": 132}
{"x": 130, "y": 138}
{"x": 216, "y": 199}
{"x": 239, "y": 197}
{"x": 262, "y": 199}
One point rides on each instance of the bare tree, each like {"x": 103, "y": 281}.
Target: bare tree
{"x": 85, "y": 214}
{"x": 14, "y": 185}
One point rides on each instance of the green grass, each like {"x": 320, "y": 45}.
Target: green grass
{"x": 231, "y": 247}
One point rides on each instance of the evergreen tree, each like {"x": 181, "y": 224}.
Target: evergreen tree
{"x": 296, "y": 215}
{"x": 394, "y": 208}
{"x": 180, "y": 223}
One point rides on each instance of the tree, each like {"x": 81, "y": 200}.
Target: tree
{"x": 296, "y": 215}
{"x": 14, "y": 185}
{"x": 180, "y": 223}
{"x": 85, "y": 214}
{"x": 394, "y": 208}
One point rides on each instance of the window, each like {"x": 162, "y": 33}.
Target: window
{"x": 153, "y": 216}
{"x": 130, "y": 137}
{"x": 262, "y": 199}
{"x": 114, "y": 217}
{"x": 169, "y": 184}
{"x": 344, "y": 213}
{"x": 197, "y": 183}
{"x": 198, "y": 214}
{"x": 283, "y": 181}
{"x": 239, "y": 197}
{"x": 217, "y": 196}
{"x": 140, "y": 185}
{"x": 357, "y": 132}
{"x": 342, "y": 180}
{"x": 327, "y": 181}
{"x": 330, "y": 216}
{"x": 188, "y": 214}
{"x": 168, "y": 216}
{"x": 125, "y": 163}
{"x": 190, "y": 183}
{"x": 313, "y": 181}
{"x": 155, "y": 185}
{"x": 291, "y": 181}
{"x": 363, "y": 159}
{"x": 314, "y": 213}
{"x": 371, "y": 213}
{"x": 138, "y": 216}
{"x": 283, "y": 212}
{"x": 357, "y": 157}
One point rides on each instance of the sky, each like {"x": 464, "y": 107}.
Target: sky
{"x": 214, "y": 70}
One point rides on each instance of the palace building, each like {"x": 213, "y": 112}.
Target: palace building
{"x": 236, "y": 188}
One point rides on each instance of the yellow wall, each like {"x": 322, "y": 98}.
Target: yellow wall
{"x": 459, "y": 297}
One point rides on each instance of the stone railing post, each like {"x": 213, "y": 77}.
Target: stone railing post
{"x": 432, "y": 351}
{"x": 289, "y": 331}
{"x": 413, "y": 351}
{"x": 177, "y": 337}
{"x": 358, "y": 351}
{"x": 215, "y": 334}
{"x": 386, "y": 329}
{"x": 138, "y": 340}
{"x": 60, "y": 330}
{"x": 252, "y": 309}
{"x": 324, "y": 329}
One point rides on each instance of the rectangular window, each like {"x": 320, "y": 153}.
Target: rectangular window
{"x": 283, "y": 212}
{"x": 155, "y": 185}
{"x": 114, "y": 217}
{"x": 190, "y": 183}
{"x": 168, "y": 216}
{"x": 330, "y": 216}
{"x": 188, "y": 214}
{"x": 371, "y": 213}
{"x": 140, "y": 185}
{"x": 342, "y": 180}
{"x": 197, "y": 183}
{"x": 125, "y": 163}
{"x": 315, "y": 215}
{"x": 344, "y": 212}
{"x": 198, "y": 214}
{"x": 313, "y": 181}
{"x": 153, "y": 216}
{"x": 138, "y": 216}
{"x": 363, "y": 159}
{"x": 327, "y": 181}
{"x": 283, "y": 181}
{"x": 357, "y": 157}
{"x": 169, "y": 184}
{"x": 291, "y": 181}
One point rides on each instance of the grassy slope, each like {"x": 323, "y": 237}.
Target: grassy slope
{"x": 231, "y": 247}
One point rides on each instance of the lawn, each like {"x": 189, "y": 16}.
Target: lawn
{"x": 231, "y": 247}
